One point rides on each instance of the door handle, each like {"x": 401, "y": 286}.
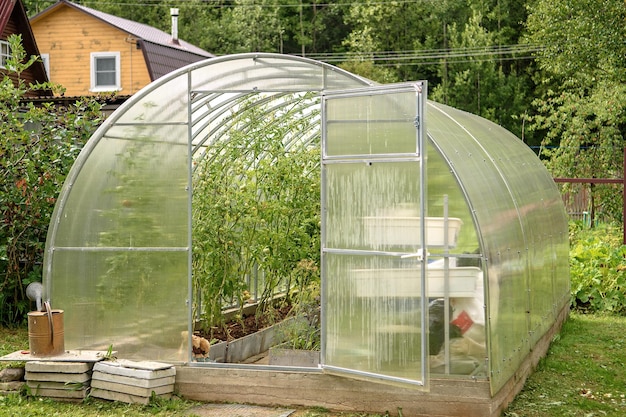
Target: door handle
{"x": 419, "y": 255}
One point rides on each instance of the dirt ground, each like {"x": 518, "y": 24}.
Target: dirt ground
{"x": 249, "y": 324}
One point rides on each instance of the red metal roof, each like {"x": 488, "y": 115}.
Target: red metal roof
{"x": 6, "y": 8}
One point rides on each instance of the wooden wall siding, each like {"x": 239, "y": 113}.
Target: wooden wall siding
{"x": 28, "y": 76}
{"x": 69, "y": 36}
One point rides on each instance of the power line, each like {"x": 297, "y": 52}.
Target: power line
{"x": 435, "y": 56}
{"x": 207, "y": 3}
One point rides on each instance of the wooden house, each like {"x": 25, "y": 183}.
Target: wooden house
{"x": 14, "y": 20}
{"x": 90, "y": 52}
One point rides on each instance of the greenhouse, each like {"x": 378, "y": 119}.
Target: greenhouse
{"x": 441, "y": 238}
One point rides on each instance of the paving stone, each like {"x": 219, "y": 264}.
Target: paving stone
{"x": 59, "y": 393}
{"x": 135, "y": 369}
{"x": 57, "y": 377}
{"x": 59, "y": 367}
{"x": 57, "y": 385}
{"x": 131, "y": 390}
{"x": 118, "y": 396}
{"x": 131, "y": 381}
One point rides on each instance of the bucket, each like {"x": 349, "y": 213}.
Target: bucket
{"x": 45, "y": 332}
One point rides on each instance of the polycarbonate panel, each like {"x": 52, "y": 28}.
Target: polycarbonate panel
{"x": 268, "y": 72}
{"x": 503, "y": 240}
{"x": 376, "y": 124}
{"x": 124, "y": 197}
{"x": 132, "y": 301}
{"x": 462, "y": 355}
{"x": 543, "y": 220}
{"x": 373, "y": 326}
{"x": 120, "y": 247}
{"x": 336, "y": 79}
{"x": 166, "y": 104}
{"x": 522, "y": 227}
{"x": 445, "y": 197}
{"x": 374, "y": 292}
{"x": 231, "y": 111}
{"x": 377, "y": 192}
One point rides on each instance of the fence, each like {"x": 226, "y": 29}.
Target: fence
{"x": 580, "y": 204}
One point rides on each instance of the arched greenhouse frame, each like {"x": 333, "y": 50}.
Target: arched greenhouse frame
{"x": 430, "y": 216}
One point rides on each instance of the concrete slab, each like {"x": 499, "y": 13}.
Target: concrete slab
{"x": 57, "y": 385}
{"x": 126, "y": 368}
{"x": 145, "y": 365}
{"x": 68, "y": 356}
{"x": 59, "y": 367}
{"x": 134, "y": 382}
{"x": 127, "y": 389}
{"x": 57, "y": 377}
{"x": 118, "y": 396}
{"x": 59, "y": 393}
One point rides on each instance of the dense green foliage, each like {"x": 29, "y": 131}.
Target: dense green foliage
{"x": 598, "y": 268}
{"x": 38, "y": 145}
{"x": 256, "y": 210}
{"x": 581, "y": 92}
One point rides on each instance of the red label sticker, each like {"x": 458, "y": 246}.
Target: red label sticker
{"x": 463, "y": 321}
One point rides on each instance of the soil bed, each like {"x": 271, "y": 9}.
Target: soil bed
{"x": 235, "y": 329}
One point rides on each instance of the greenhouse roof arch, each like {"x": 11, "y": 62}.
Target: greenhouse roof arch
{"x": 118, "y": 253}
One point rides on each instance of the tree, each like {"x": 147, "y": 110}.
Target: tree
{"x": 581, "y": 107}
{"x": 478, "y": 84}
{"x": 380, "y": 30}
{"x": 37, "y": 147}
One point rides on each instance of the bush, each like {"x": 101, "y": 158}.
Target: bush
{"x": 597, "y": 268}
{"x": 38, "y": 145}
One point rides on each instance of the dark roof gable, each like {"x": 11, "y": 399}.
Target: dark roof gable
{"x": 14, "y": 20}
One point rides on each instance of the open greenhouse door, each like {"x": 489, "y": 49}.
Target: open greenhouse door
{"x": 373, "y": 233}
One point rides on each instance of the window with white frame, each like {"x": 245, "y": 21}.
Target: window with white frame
{"x": 105, "y": 71}
{"x": 5, "y": 53}
{"x": 45, "y": 58}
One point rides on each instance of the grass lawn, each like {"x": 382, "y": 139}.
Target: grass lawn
{"x": 584, "y": 374}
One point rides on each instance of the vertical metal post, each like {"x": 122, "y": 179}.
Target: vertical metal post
{"x": 190, "y": 318}
{"x": 421, "y": 149}
{"x": 446, "y": 286}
